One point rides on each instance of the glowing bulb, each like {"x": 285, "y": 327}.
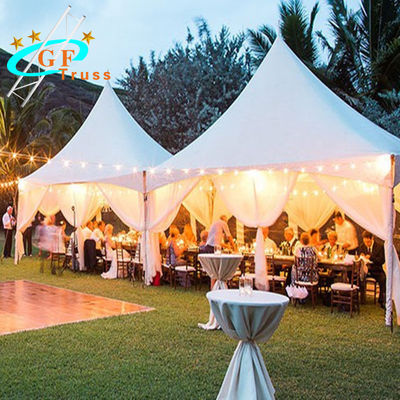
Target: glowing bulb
{"x": 83, "y": 164}
{"x": 352, "y": 166}
{"x": 236, "y": 172}
{"x": 303, "y": 170}
{"x": 305, "y": 193}
{"x": 336, "y": 167}
{"x": 118, "y": 167}
{"x": 220, "y": 171}
{"x": 100, "y": 166}
{"x": 294, "y": 192}
{"x": 320, "y": 168}
{"x": 285, "y": 171}
{"x": 168, "y": 171}
{"x": 48, "y": 161}
{"x": 31, "y": 158}
{"x": 152, "y": 171}
{"x": 14, "y": 155}
{"x": 66, "y": 163}
{"x": 186, "y": 170}
{"x": 134, "y": 170}
{"x": 201, "y": 172}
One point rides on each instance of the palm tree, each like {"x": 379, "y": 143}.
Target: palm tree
{"x": 297, "y": 29}
{"x": 364, "y": 58}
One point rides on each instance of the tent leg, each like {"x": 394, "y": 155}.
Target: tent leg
{"x": 389, "y": 254}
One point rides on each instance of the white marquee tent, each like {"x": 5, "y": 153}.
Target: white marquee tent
{"x": 104, "y": 163}
{"x": 288, "y": 142}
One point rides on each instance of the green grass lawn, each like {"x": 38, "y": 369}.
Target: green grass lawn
{"x": 163, "y": 355}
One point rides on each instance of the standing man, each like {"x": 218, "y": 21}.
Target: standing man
{"x": 216, "y": 234}
{"x": 375, "y": 253}
{"x": 346, "y": 234}
{"x": 8, "y": 225}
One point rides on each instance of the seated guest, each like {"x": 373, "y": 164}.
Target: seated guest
{"x": 188, "y": 236}
{"x": 173, "y": 228}
{"x": 175, "y": 251}
{"x": 332, "y": 247}
{"x": 346, "y": 233}
{"x": 162, "y": 240}
{"x": 269, "y": 245}
{"x": 98, "y": 236}
{"x": 203, "y": 242}
{"x": 87, "y": 230}
{"x": 306, "y": 259}
{"x": 216, "y": 234}
{"x": 375, "y": 253}
{"x": 316, "y": 239}
{"x": 289, "y": 245}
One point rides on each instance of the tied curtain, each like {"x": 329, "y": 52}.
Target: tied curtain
{"x": 30, "y": 197}
{"x": 162, "y": 206}
{"x": 370, "y": 206}
{"x": 256, "y": 198}
{"x": 205, "y": 203}
{"x": 308, "y": 206}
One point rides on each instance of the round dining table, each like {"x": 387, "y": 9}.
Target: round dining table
{"x": 220, "y": 268}
{"x": 248, "y": 319}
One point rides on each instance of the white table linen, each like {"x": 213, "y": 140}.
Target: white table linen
{"x": 249, "y": 319}
{"x": 221, "y": 267}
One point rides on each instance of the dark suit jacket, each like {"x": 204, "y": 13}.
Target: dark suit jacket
{"x": 377, "y": 256}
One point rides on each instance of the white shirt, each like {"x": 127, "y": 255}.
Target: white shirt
{"x": 8, "y": 221}
{"x": 346, "y": 233}
{"x": 269, "y": 244}
{"x": 86, "y": 233}
{"x": 97, "y": 236}
{"x": 216, "y": 234}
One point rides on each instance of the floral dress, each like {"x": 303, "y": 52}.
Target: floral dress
{"x": 307, "y": 262}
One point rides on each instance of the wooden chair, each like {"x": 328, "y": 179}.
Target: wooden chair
{"x": 189, "y": 270}
{"x": 168, "y": 270}
{"x": 372, "y": 281}
{"x": 137, "y": 262}
{"x": 123, "y": 262}
{"x": 276, "y": 282}
{"x": 306, "y": 276}
{"x": 348, "y": 293}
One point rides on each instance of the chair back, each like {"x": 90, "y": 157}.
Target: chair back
{"x": 355, "y": 273}
{"x": 119, "y": 252}
{"x": 270, "y": 264}
{"x": 191, "y": 258}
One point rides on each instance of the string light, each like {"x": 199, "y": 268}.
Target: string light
{"x": 66, "y": 163}
{"x": 320, "y": 168}
{"x": 201, "y": 172}
{"x": 31, "y": 158}
{"x": 236, "y": 172}
{"x": 220, "y": 171}
{"x": 168, "y": 171}
{"x": 100, "y": 166}
{"x": 336, "y": 167}
{"x": 83, "y": 164}
{"x": 134, "y": 170}
{"x": 186, "y": 170}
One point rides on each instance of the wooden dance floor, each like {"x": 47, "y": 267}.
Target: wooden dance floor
{"x": 28, "y": 305}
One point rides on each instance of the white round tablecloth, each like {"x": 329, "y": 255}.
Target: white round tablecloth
{"x": 222, "y": 268}
{"x": 249, "y": 319}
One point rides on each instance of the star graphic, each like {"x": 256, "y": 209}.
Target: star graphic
{"x": 35, "y": 36}
{"x": 17, "y": 43}
{"x": 88, "y": 37}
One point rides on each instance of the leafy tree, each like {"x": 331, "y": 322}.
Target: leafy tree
{"x": 178, "y": 96}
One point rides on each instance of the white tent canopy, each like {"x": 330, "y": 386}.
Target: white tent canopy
{"x": 287, "y": 130}
{"x": 104, "y": 163}
{"x": 286, "y": 118}
{"x": 109, "y": 147}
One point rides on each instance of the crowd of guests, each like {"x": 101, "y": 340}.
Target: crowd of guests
{"x": 51, "y": 237}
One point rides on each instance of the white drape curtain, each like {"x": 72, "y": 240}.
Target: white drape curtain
{"x": 205, "y": 203}
{"x": 162, "y": 206}
{"x": 370, "y": 206}
{"x": 126, "y": 203}
{"x": 256, "y": 198}
{"x": 30, "y": 197}
{"x": 308, "y": 206}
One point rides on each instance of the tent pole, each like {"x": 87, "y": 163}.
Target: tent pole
{"x": 389, "y": 252}
{"x": 144, "y": 251}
